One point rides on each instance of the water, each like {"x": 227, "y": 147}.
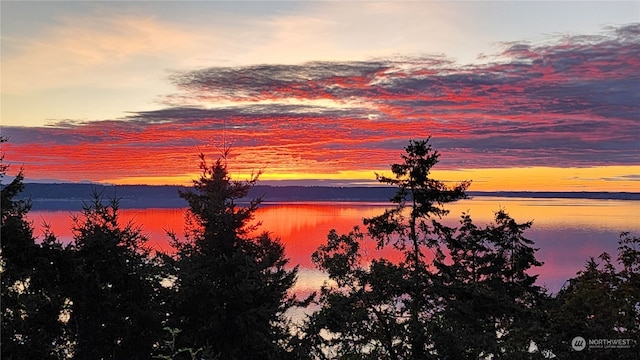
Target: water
{"x": 566, "y": 231}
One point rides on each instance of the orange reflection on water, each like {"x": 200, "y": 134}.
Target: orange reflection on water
{"x": 615, "y": 215}
{"x": 304, "y": 227}
{"x": 567, "y": 231}
{"x": 154, "y": 224}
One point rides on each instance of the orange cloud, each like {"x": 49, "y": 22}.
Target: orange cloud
{"x": 536, "y": 118}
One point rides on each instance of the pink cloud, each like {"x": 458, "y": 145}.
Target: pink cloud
{"x": 572, "y": 102}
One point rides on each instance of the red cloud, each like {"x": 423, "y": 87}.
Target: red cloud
{"x": 572, "y": 102}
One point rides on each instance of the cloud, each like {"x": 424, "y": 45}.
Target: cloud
{"x": 628, "y": 177}
{"x": 570, "y": 102}
{"x": 79, "y": 50}
{"x": 594, "y": 75}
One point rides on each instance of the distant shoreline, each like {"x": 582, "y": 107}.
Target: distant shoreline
{"x": 72, "y": 196}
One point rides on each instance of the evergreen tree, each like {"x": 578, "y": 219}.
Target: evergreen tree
{"x": 602, "y": 302}
{"x": 231, "y": 285}
{"x": 457, "y": 293}
{"x": 414, "y": 233}
{"x": 113, "y": 312}
{"x": 394, "y": 297}
{"x": 361, "y": 308}
{"x": 489, "y": 303}
{"x": 629, "y": 290}
{"x": 32, "y": 301}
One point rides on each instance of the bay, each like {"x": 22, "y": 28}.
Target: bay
{"x": 566, "y": 231}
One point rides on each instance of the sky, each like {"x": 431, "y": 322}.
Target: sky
{"x": 537, "y": 96}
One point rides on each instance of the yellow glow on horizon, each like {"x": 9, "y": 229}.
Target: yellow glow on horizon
{"x": 152, "y": 180}
{"x": 359, "y": 175}
{"x": 602, "y": 178}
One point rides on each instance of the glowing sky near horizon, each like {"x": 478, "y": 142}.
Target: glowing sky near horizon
{"x": 517, "y": 95}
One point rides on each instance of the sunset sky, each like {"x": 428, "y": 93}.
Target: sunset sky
{"x": 541, "y": 96}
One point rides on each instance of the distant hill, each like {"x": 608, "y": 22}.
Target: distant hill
{"x": 71, "y": 196}
{"x": 603, "y": 195}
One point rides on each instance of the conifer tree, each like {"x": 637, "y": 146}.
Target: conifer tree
{"x": 113, "y": 287}
{"x": 489, "y": 304}
{"x": 361, "y": 315}
{"x": 394, "y": 299}
{"x": 601, "y": 302}
{"x": 456, "y": 293}
{"x": 32, "y": 298}
{"x": 231, "y": 282}
{"x": 414, "y": 233}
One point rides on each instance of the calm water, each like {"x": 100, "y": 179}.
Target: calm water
{"x": 567, "y": 231}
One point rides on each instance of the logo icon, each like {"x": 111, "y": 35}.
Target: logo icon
{"x": 578, "y": 343}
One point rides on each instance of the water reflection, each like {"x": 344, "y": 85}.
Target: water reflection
{"x": 567, "y": 231}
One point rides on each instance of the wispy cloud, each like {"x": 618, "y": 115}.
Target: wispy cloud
{"x": 570, "y": 102}
{"x": 80, "y": 50}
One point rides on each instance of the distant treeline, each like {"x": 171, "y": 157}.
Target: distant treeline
{"x": 68, "y": 196}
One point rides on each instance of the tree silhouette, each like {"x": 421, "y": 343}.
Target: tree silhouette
{"x": 456, "y": 293}
{"x": 361, "y": 308}
{"x": 464, "y": 292}
{"x": 488, "y": 303}
{"x": 601, "y": 302}
{"x": 31, "y": 282}
{"x": 384, "y": 307}
{"x": 423, "y": 197}
{"x": 231, "y": 285}
{"x": 113, "y": 312}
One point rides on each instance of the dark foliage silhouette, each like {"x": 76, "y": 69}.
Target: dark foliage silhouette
{"x": 113, "y": 286}
{"x": 31, "y": 293}
{"x": 601, "y": 302}
{"x": 231, "y": 282}
{"x": 455, "y": 293}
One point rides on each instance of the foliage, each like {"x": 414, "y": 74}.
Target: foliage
{"x": 231, "y": 287}
{"x": 423, "y": 197}
{"x": 488, "y": 303}
{"x": 112, "y": 287}
{"x": 601, "y": 302}
{"x": 456, "y": 293}
{"x": 30, "y": 276}
{"x": 169, "y": 346}
{"x": 360, "y": 311}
